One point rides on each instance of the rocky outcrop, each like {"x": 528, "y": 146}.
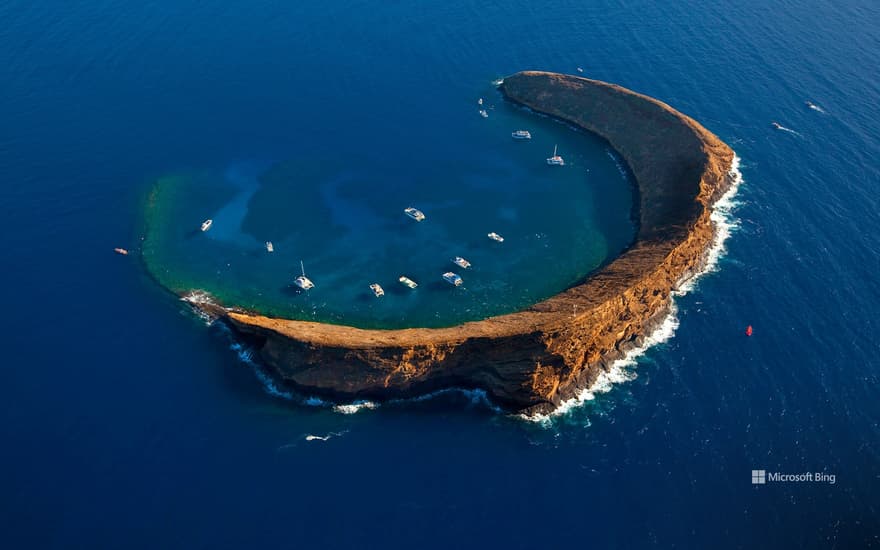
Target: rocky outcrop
{"x": 538, "y": 357}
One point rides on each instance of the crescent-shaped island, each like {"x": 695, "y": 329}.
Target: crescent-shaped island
{"x": 532, "y": 360}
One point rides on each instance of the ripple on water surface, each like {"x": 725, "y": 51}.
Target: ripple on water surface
{"x": 344, "y": 219}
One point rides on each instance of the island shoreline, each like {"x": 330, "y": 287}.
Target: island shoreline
{"x": 533, "y": 360}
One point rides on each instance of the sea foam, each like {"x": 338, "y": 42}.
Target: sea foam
{"x": 622, "y": 370}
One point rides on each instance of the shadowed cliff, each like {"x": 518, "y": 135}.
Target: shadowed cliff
{"x": 535, "y": 358}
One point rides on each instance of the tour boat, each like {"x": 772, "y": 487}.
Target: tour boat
{"x": 406, "y": 281}
{"x": 206, "y": 225}
{"x": 496, "y": 237}
{"x": 483, "y": 113}
{"x": 555, "y": 160}
{"x": 461, "y": 262}
{"x": 122, "y": 251}
{"x": 270, "y": 247}
{"x": 414, "y": 213}
{"x": 521, "y": 134}
{"x": 302, "y": 281}
{"x": 452, "y": 278}
{"x": 377, "y": 290}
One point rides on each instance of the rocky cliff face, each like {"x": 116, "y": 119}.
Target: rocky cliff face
{"x": 532, "y": 360}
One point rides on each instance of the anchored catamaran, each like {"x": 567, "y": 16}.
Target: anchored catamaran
{"x": 496, "y": 237}
{"x": 302, "y": 281}
{"x": 406, "y": 281}
{"x": 461, "y": 262}
{"x": 452, "y": 278}
{"x": 555, "y": 160}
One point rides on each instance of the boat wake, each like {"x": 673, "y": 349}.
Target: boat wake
{"x": 782, "y": 128}
{"x": 312, "y": 437}
{"x": 623, "y": 370}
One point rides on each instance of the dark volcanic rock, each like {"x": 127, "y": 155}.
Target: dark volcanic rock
{"x": 538, "y": 357}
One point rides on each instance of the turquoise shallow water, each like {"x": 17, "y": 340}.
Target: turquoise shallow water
{"x": 341, "y": 213}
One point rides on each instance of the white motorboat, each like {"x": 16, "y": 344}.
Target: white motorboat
{"x": 270, "y": 247}
{"x": 521, "y": 134}
{"x": 414, "y": 213}
{"x": 206, "y": 225}
{"x": 496, "y": 237}
{"x": 406, "y": 281}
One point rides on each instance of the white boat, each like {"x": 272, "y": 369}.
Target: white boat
{"x": 414, "y": 213}
{"x": 521, "y": 134}
{"x": 377, "y": 290}
{"x": 496, "y": 237}
{"x": 580, "y": 69}
{"x": 452, "y": 278}
{"x": 480, "y": 101}
{"x": 555, "y": 160}
{"x": 206, "y": 225}
{"x": 461, "y": 262}
{"x": 270, "y": 247}
{"x": 483, "y": 113}
{"x": 406, "y": 281}
{"x": 302, "y": 281}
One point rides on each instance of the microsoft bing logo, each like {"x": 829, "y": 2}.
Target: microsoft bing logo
{"x": 759, "y": 477}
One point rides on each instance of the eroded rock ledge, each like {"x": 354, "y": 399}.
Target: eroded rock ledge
{"x": 534, "y": 359}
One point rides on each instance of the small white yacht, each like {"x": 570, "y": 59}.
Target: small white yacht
{"x": 496, "y": 237}
{"x": 521, "y": 134}
{"x": 480, "y": 101}
{"x": 206, "y": 225}
{"x": 483, "y": 113}
{"x": 555, "y": 160}
{"x": 406, "y": 281}
{"x": 452, "y": 278}
{"x": 461, "y": 262}
{"x": 377, "y": 290}
{"x": 580, "y": 69}
{"x": 270, "y": 247}
{"x": 414, "y": 213}
{"x": 302, "y": 281}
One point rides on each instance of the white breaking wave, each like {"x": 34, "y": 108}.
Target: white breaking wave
{"x": 197, "y": 298}
{"x": 246, "y": 356}
{"x": 477, "y": 397}
{"x": 621, "y": 370}
{"x": 355, "y": 407}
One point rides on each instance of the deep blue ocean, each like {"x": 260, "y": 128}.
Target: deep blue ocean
{"x": 126, "y": 422}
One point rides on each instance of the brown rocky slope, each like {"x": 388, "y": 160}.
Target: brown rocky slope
{"x": 534, "y": 359}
